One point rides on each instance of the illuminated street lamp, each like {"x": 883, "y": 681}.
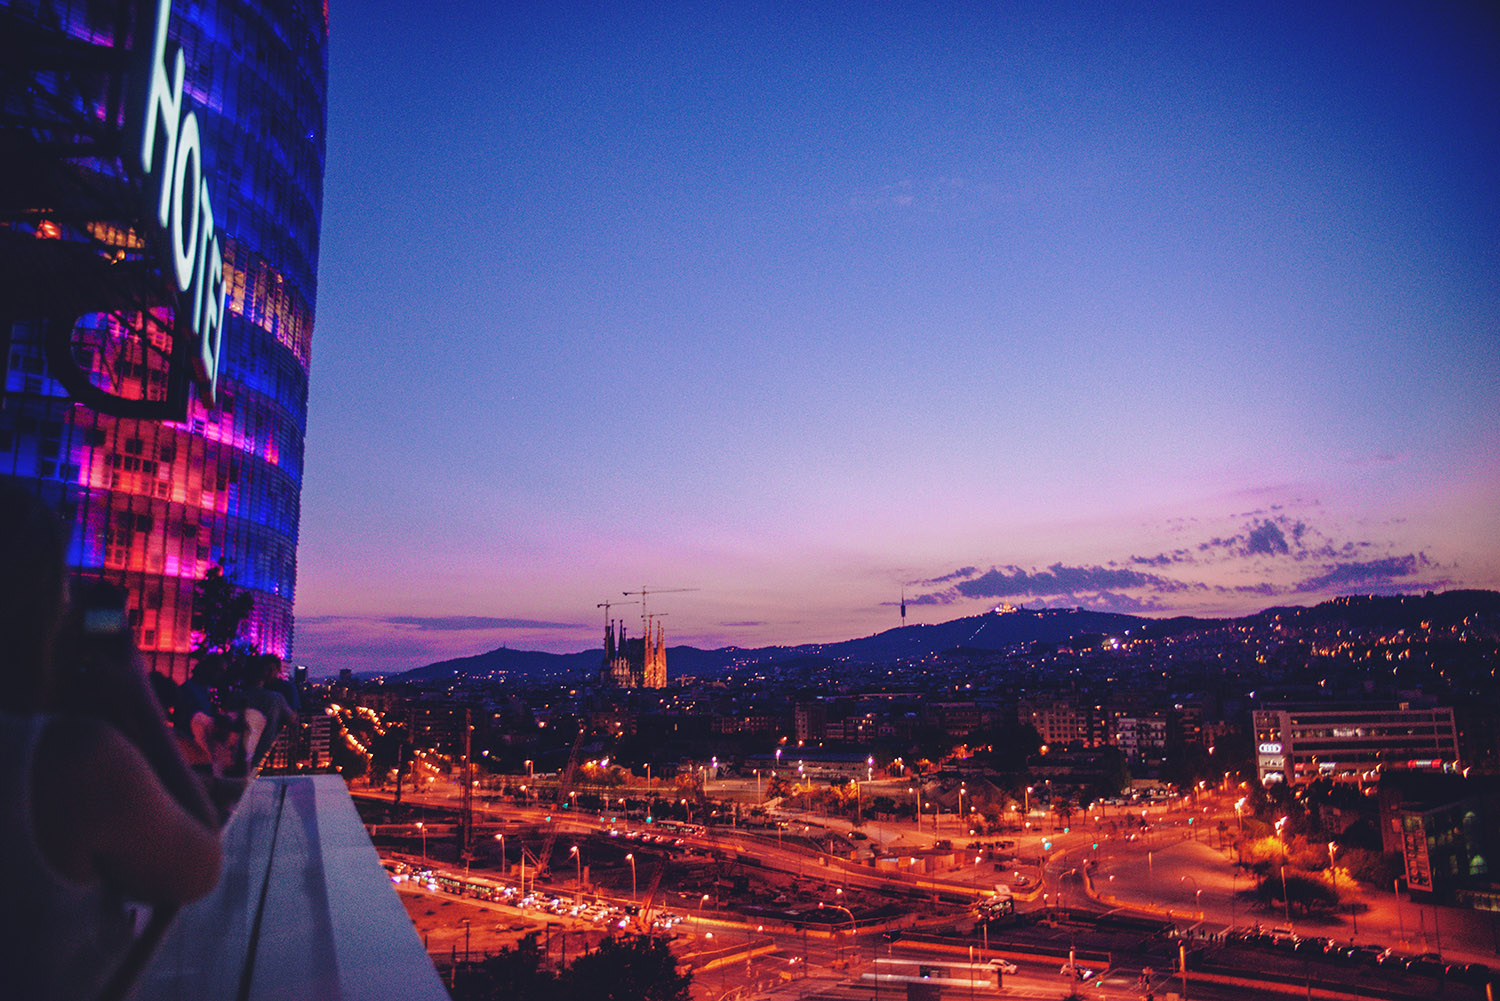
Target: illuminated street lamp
{"x": 578, "y": 860}
{"x": 631, "y": 859}
{"x": 839, "y": 907}
{"x": 421, "y": 827}
{"x": 501, "y": 838}
{"x": 1197, "y": 893}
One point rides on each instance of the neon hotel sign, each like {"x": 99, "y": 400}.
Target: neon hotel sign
{"x": 171, "y": 162}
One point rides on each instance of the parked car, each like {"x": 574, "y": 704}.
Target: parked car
{"x": 1286, "y": 942}
{"x": 1004, "y": 967}
{"x": 1313, "y": 945}
{"x": 1364, "y": 955}
{"x": 1428, "y": 964}
{"x": 1469, "y": 973}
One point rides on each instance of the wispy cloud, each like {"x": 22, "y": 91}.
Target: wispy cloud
{"x": 1058, "y": 580}
{"x": 1365, "y": 575}
{"x": 1163, "y": 559}
{"x": 1272, "y": 553}
{"x": 930, "y": 598}
{"x": 930, "y": 194}
{"x": 327, "y": 643}
{"x": 962, "y": 573}
{"x": 467, "y": 623}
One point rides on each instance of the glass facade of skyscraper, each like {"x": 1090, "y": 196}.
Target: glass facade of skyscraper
{"x": 154, "y": 503}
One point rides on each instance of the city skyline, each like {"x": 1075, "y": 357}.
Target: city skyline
{"x": 1164, "y": 312}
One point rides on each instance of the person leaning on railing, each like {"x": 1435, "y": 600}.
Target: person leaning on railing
{"x": 265, "y": 711}
{"x": 97, "y": 807}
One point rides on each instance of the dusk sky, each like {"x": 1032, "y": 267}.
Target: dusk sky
{"x": 1151, "y": 308}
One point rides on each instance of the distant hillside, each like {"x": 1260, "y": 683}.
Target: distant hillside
{"x": 987, "y": 632}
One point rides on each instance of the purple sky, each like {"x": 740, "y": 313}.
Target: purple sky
{"x": 1189, "y": 311}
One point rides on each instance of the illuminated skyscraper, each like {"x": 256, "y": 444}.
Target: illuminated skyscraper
{"x": 171, "y": 442}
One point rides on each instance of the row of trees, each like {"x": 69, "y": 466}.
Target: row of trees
{"x": 630, "y": 968}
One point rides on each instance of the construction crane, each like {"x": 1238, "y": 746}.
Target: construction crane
{"x": 607, "y": 605}
{"x": 643, "y": 592}
{"x": 564, "y": 786}
{"x": 643, "y": 916}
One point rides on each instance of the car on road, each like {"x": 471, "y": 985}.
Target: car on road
{"x": 1076, "y": 972}
{"x": 1004, "y": 966}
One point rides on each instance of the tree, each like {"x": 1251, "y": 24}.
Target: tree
{"x": 219, "y": 611}
{"x": 514, "y": 974}
{"x": 635, "y": 968}
{"x": 1302, "y": 890}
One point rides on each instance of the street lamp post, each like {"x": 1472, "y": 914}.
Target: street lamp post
{"x": 1333, "y": 877}
{"x": 423, "y": 828}
{"x": 1234, "y": 893}
{"x": 501, "y": 838}
{"x": 1197, "y": 894}
{"x": 1286, "y": 899}
{"x": 839, "y": 907}
{"x": 631, "y": 859}
{"x": 578, "y": 860}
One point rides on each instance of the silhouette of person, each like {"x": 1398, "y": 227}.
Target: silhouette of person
{"x": 97, "y": 809}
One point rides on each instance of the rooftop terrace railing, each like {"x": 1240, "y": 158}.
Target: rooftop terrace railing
{"x": 303, "y": 909}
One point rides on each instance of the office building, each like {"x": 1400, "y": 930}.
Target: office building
{"x": 1351, "y": 743}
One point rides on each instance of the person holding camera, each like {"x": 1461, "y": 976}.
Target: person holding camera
{"x": 98, "y": 807}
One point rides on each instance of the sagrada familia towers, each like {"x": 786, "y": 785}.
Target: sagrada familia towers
{"x": 637, "y": 663}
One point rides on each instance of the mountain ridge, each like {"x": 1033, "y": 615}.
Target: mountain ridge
{"x": 987, "y": 631}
